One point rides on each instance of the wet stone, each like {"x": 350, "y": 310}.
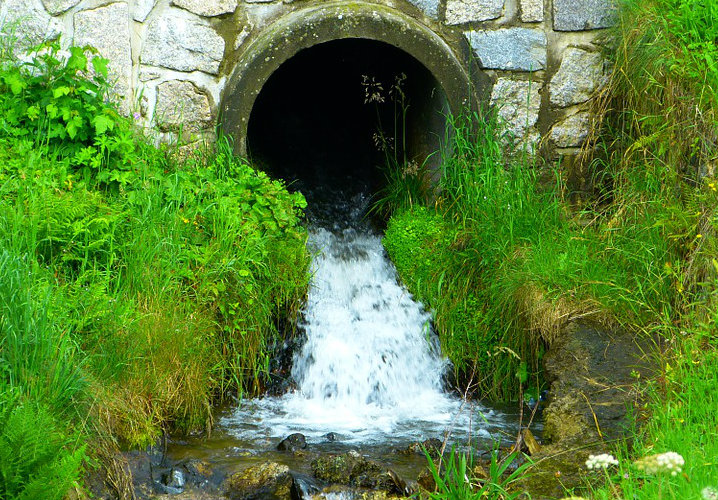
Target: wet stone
{"x": 293, "y": 442}
{"x": 266, "y": 481}
{"x": 432, "y": 446}
{"x": 197, "y": 472}
{"x": 352, "y": 469}
{"x": 173, "y": 481}
{"x": 304, "y": 487}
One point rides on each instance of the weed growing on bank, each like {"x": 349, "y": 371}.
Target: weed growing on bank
{"x": 659, "y": 150}
{"x": 505, "y": 262}
{"x": 135, "y": 289}
{"x": 641, "y": 252}
{"x": 456, "y": 477}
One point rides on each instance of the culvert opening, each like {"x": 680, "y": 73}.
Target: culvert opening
{"x": 320, "y": 117}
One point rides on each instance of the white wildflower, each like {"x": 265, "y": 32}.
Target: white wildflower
{"x": 602, "y": 461}
{"x": 670, "y": 462}
{"x": 709, "y": 493}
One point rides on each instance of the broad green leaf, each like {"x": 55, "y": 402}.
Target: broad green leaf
{"x": 77, "y": 60}
{"x": 15, "y": 82}
{"x": 103, "y": 123}
{"x": 61, "y": 91}
{"x": 33, "y": 112}
{"x": 100, "y": 65}
{"x": 71, "y": 130}
{"x": 52, "y": 110}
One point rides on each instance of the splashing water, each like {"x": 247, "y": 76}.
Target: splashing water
{"x": 371, "y": 369}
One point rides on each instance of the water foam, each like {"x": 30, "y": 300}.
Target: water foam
{"x": 371, "y": 368}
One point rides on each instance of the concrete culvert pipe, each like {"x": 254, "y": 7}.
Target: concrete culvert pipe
{"x": 315, "y": 90}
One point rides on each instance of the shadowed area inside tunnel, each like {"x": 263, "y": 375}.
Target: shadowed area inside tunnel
{"x": 320, "y": 118}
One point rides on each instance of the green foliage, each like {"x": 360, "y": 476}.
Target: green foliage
{"x": 658, "y": 169}
{"x": 407, "y": 183}
{"x": 460, "y": 257}
{"x": 170, "y": 280}
{"x": 37, "y": 459}
{"x": 50, "y": 98}
{"x": 41, "y": 386}
{"x": 504, "y": 261}
{"x": 456, "y": 480}
{"x": 39, "y": 359}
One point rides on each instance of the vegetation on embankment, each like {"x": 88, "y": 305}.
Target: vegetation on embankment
{"x": 136, "y": 289}
{"x": 503, "y": 259}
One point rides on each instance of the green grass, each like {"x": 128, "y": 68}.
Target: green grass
{"x": 640, "y": 252}
{"x": 505, "y": 262}
{"x": 136, "y": 290}
{"x": 659, "y": 130}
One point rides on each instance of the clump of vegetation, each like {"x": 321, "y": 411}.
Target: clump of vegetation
{"x": 658, "y": 145}
{"x": 135, "y": 289}
{"x": 456, "y": 477}
{"x": 504, "y": 261}
{"x": 498, "y": 251}
{"x": 498, "y": 254}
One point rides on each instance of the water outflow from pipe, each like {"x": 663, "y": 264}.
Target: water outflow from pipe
{"x": 371, "y": 369}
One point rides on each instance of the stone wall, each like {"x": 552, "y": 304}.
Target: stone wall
{"x": 171, "y": 60}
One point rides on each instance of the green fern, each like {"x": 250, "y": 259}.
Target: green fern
{"x": 37, "y": 459}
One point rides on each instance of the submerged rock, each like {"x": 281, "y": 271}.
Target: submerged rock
{"x": 352, "y": 469}
{"x": 433, "y": 446}
{"x": 173, "y": 481}
{"x": 266, "y": 481}
{"x": 293, "y": 442}
{"x": 340, "y": 492}
{"x": 304, "y": 487}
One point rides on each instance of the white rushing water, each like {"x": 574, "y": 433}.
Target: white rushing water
{"x": 370, "y": 370}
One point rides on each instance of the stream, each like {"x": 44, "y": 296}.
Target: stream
{"x": 369, "y": 375}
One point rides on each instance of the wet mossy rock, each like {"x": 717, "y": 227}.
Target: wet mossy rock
{"x": 343, "y": 492}
{"x": 352, "y": 469}
{"x": 266, "y": 481}
{"x": 591, "y": 370}
{"x": 293, "y": 442}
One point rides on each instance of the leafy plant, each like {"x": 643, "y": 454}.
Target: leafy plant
{"x": 168, "y": 282}
{"x": 37, "y": 459}
{"x": 457, "y": 480}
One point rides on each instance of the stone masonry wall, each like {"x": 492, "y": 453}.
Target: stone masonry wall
{"x": 171, "y": 59}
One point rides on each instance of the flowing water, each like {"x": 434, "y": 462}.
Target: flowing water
{"x": 370, "y": 370}
{"x": 369, "y": 375}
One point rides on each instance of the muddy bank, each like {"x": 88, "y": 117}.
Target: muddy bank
{"x": 592, "y": 372}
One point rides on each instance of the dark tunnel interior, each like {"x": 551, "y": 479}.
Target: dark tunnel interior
{"x": 318, "y": 120}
